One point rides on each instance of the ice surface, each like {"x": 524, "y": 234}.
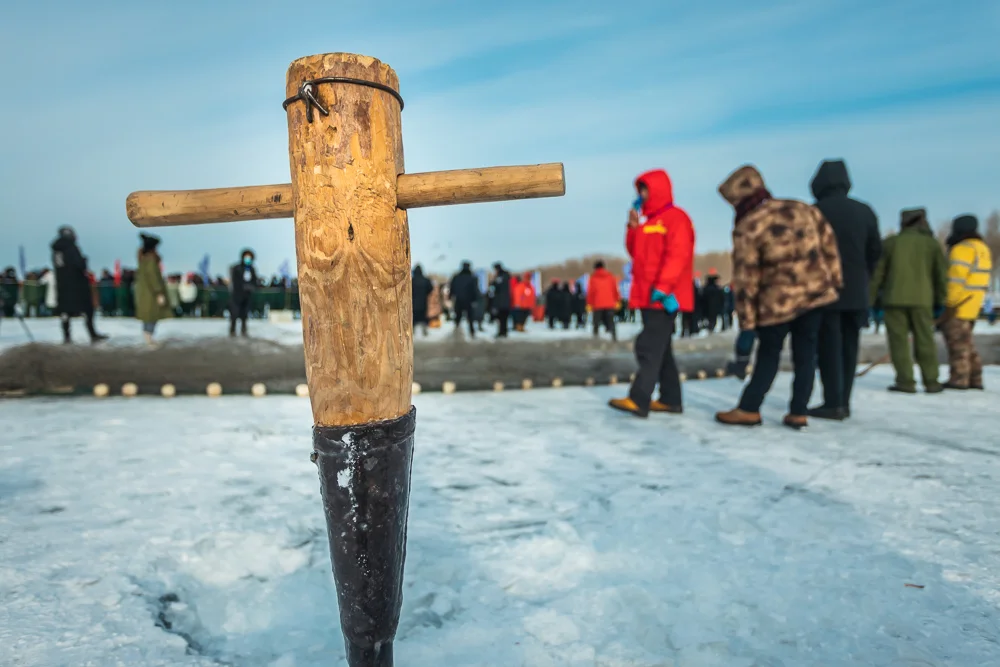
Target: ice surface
{"x": 545, "y": 530}
{"x": 128, "y": 331}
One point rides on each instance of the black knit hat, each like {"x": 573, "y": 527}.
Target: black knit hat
{"x": 912, "y": 216}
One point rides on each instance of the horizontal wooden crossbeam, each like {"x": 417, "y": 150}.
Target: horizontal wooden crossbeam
{"x": 166, "y": 208}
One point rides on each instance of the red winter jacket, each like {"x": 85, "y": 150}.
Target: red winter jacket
{"x": 602, "y": 290}
{"x": 662, "y": 247}
{"x": 522, "y": 293}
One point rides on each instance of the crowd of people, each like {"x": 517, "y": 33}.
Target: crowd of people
{"x": 816, "y": 274}
{"x": 811, "y": 273}
{"x": 69, "y": 289}
{"x": 510, "y": 300}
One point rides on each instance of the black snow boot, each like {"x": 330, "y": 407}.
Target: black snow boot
{"x": 832, "y": 414}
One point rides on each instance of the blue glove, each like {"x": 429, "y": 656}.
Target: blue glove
{"x": 637, "y": 205}
{"x": 744, "y": 343}
{"x": 668, "y": 301}
{"x": 938, "y": 312}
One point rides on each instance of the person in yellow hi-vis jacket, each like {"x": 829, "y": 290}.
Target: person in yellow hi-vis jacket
{"x": 969, "y": 269}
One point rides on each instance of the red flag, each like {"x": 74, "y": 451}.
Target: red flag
{"x": 118, "y": 273}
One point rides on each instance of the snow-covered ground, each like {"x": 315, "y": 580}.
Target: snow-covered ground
{"x": 545, "y": 530}
{"x": 128, "y": 331}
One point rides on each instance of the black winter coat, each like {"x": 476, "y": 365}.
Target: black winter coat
{"x": 422, "y": 288}
{"x": 713, "y": 299}
{"x": 856, "y": 227}
{"x": 501, "y": 291}
{"x": 464, "y": 289}
{"x": 72, "y": 285}
{"x": 242, "y": 287}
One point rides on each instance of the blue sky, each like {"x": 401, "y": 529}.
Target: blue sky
{"x": 102, "y": 98}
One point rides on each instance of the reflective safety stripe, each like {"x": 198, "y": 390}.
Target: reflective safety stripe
{"x": 654, "y": 229}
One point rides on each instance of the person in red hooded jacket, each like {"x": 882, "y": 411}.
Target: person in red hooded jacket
{"x": 522, "y": 300}
{"x": 603, "y": 298}
{"x": 661, "y": 244}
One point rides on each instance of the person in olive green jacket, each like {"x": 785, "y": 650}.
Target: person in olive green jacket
{"x": 912, "y": 277}
{"x": 150, "y": 289}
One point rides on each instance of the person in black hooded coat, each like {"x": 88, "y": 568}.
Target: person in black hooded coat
{"x": 464, "y": 294}
{"x": 501, "y": 301}
{"x": 422, "y": 288}
{"x": 73, "y": 294}
{"x": 860, "y": 245}
{"x": 242, "y": 285}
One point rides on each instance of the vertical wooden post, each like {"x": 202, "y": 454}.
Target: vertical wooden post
{"x": 353, "y": 244}
{"x": 353, "y": 249}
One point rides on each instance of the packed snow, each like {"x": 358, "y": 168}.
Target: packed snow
{"x": 545, "y": 530}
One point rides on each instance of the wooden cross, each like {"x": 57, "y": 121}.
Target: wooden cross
{"x": 349, "y": 197}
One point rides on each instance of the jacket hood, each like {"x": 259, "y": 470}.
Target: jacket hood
{"x": 742, "y": 183}
{"x": 466, "y": 268}
{"x": 831, "y": 178}
{"x": 63, "y": 243}
{"x": 661, "y": 191}
{"x": 418, "y": 272}
{"x": 963, "y": 227}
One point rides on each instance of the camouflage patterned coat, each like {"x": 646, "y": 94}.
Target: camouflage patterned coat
{"x": 785, "y": 257}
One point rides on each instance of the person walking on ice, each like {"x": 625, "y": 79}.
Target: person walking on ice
{"x": 661, "y": 245}
{"x": 150, "y": 289}
{"x": 969, "y": 267}
{"x": 912, "y": 277}
{"x": 786, "y": 267}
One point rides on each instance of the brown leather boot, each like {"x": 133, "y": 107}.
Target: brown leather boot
{"x": 627, "y": 405}
{"x": 737, "y": 417}
{"x": 797, "y": 422}
{"x": 657, "y": 406}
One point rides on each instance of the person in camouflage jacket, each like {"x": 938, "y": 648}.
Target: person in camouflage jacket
{"x": 786, "y": 267}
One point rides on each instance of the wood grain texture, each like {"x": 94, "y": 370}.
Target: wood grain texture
{"x": 164, "y": 208}
{"x": 352, "y": 243}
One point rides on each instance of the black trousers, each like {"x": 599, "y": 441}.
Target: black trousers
{"x": 839, "y": 339}
{"x": 239, "y": 310}
{"x": 605, "y": 318}
{"x": 88, "y": 317}
{"x": 501, "y": 317}
{"x": 655, "y": 354}
{"x": 805, "y": 341}
{"x": 465, "y": 310}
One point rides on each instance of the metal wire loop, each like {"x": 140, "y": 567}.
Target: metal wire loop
{"x": 307, "y": 93}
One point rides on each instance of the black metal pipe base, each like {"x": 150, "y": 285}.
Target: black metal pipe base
{"x": 364, "y": 474}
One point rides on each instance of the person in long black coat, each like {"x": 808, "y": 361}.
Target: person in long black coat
{"x": 73, "y": 294}
{"x": 422, "y": 288}
{"x": 501, "y": 298}
{"x": 552, "y": 304}
{"x": 580, "y": 305}
{"x": 242, "y": 285}
{"x": 564, "y": 305}
{"x": 860, "y": 245}
{"x": 464, "y": 294}
{"x": 713, "y": 301}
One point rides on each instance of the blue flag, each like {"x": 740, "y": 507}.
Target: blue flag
{"x": 536, "y": 281}
{"x": 22, "y": 262}
{"x": 584, "y": 282}
{"x": 285, "y": 274}
{"x": 203, "y": 269}
{"x": 628, "y": 270}
{"x": 484, "y": 281}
